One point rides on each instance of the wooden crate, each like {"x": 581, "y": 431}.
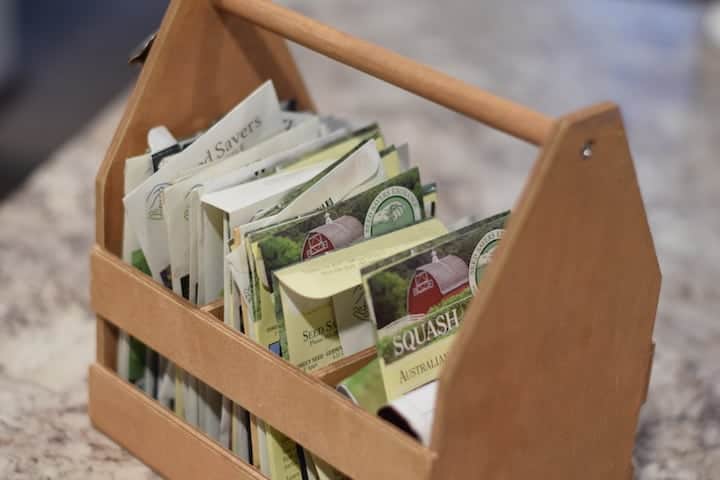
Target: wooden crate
{"x": 551, "y": 366}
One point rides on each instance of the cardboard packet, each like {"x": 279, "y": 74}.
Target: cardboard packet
{"x": 363, "y": 216}
{"x": 320, "y": 304}
{"x": 234, "y": 206}
{"x": 176, "y": 196}
{"x": 225, "y": 209}
{"x": 248, "y": 164}
{"x": 237, "y": 205}
{"x": 281, "y": 246}
{"x": 267, "y": 166}
{"x": 259, "y": 316}
{"x": 391, "y": 205}
{"x": 134, "y": 359}
{"x": 131, "y": 352}
{"x": 253, "y": 120}
{"x": 320, "y": 155}
{"x": 362, "y": 165}
{"x": 417, "y": 300}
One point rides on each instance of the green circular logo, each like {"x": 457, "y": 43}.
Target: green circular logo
{"x": 481, "y": 256}
{"x": 393, "y": 208}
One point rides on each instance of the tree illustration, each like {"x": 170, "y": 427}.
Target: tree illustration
{"x": 279, "y": 252}
{"x": 389, "y": 291}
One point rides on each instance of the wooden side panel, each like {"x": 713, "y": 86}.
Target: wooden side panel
{"x": 303, "y": 407}
{"x": 154, "y": 435}
{"x": 549, "y": 370}
{"x": 201, "y": 64}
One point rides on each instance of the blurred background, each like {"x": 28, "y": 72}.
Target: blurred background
{"x": 60, "y": 62}
{"x": 64, "y": 78}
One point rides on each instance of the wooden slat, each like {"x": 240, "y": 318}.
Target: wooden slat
{"x": 304, "y": 408}
{"x": 343, "y": 368}
{"x": 157, "y": 437}
{"x": 505, "y": 115}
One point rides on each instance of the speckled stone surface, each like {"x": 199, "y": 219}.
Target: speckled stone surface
{"x": 555, "y": 56}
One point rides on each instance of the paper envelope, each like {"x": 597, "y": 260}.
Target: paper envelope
{"x": 320, "y": 303}
{"x": 236, "y": 205}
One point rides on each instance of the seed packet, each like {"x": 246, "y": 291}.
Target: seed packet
{"x": 318, "y": 299}
{"x": 135, "y": 362}
{"x": 386, "y": 207}
{"x": 363, "y": 165}
{"x": 176, "y": 196}
{"x": 253, "y": 120}
{"x": 418, "y": 298}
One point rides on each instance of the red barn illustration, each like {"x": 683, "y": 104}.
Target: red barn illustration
{"x": 436, "y": 281}
{"x": 335, "y": 234}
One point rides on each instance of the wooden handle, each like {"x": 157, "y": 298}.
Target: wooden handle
{"x": 502, "y": 114}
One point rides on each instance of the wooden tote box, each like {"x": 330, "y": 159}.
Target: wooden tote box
{"x": 551, "y": 366}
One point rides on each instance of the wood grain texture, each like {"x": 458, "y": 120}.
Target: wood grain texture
{"x": 549, "y": 370}
{"x": 502, "y": 114}
{"x": 339, "y": 370}
{"x": 201, "y": 65}
{"x": 106, "y": 340}
{"x": 304, "y": 408}
{"x": 157, "y": 437}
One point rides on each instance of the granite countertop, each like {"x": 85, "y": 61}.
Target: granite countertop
{"x": 555, "y": 56}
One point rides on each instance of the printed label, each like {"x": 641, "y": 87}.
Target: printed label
{"x": 482, "y": 255}
{"x": 395, "y": 207}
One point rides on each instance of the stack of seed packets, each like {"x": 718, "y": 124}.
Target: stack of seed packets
{"x": 319, "y": 239}
{"x": 162, "y": 191}
{"x": 136, "y": 363}
{"x": 337, "y": 189}
{"x": 416, "y": 301}
{"x": 388, "y": 206}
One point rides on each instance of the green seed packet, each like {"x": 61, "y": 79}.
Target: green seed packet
{"x": 283, "y": 461}
{"x": 384, "y": 208}
{"x": 320, "y": 306}
{"x": 281, "y": 245}
{"x": 417, "y": 300}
